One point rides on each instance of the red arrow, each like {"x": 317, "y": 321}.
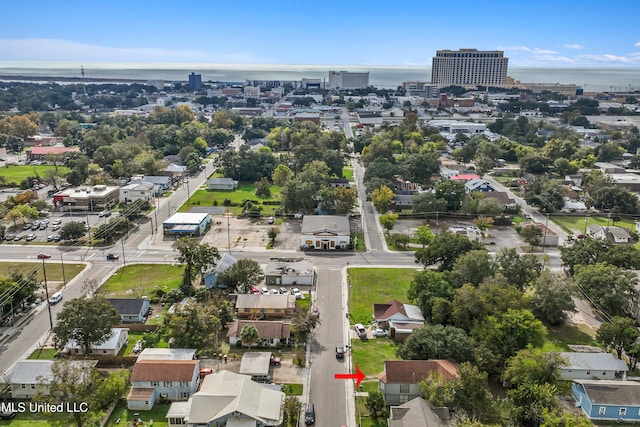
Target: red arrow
{"x": 358, "y": 376}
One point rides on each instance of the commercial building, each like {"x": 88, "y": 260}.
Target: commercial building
{"x": 469, "y": 67}
{"x": 195, "y": 81}
{"x": 348, "y": 80}
{"x": 187, "y": 224}
{"x": 94, "y": 199}
{"x": 421, "y": 89}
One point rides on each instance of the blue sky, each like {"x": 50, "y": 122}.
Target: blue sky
{"x": 563, "y": 33}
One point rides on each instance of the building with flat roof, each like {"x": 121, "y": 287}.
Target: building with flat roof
{"x": 421, "y": 89}
{"x": 469, "y": 67}
{"x": 187, "y": 224}
{"x": 348, "y": 80}
{"x": 94, "y": 199}
{"x": 195, "y": 81}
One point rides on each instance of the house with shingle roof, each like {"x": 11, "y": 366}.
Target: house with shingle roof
{"x": 210, "y": 277}
{"x": 111, "y": 346}
{"x": 399, "y": 318}
{"x": 265, "y": 305}
{"x": 592, "y": 366}
{"x": 603, "y": 400}
{"x": 131, "y": 309}
{"x": 271, "y": 332}
{"x": 29, "y": 377}
{"x": 478, "y": 184}
{"x": 162, "y": 379}
{"x": 399, "y": 382}
{"x": 418, "y": 412}
{"x": 612, "y": 233}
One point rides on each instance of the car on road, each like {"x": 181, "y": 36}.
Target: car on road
{"x": 55, "y": 298}
{"x": 104, "y": 214}
{"x": 44, "y": 256}
{"x": 112, "y": 257}
{"x": 379, "y": 332}
{"x": 340, "y": 352}
{"x": 360, "y": 330}
{"x": 31, "y": 237}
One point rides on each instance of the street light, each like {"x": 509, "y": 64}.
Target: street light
{"x": 544, "y": 239}
{"x": 64, "y": 279}
{"x": 46, "y": 292}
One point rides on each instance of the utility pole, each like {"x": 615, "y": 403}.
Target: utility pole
{"x": 46, "y": 292}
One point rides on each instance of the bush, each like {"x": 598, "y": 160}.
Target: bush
{"x": 226, "y": 202}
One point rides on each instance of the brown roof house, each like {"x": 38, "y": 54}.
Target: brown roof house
{"x": 400, "y": 380}
{"x": 270, "y": 332}
{"x": 400, "y": 319}
{"x": 265, "y": 305}
{"x": 162, "y": 379}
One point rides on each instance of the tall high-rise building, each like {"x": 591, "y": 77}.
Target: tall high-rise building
{"x": 469, "y": 67}
{"x": 195, "y": 81}
{"x": 348, "y": 80}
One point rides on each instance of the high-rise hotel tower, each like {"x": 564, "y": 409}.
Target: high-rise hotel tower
{"x": 469, "y": 67}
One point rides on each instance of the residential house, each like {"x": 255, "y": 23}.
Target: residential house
{"x": 404, "y": 192}
{"x": 612, "y": 400}
{"x": 162, "y": 379}
{"x": 111, "y": 347}
{"x": 210, "y": 277}
{"x": 592, "y": 366}
{"x": 265, "y": 305}
{"x": 289, "y": 271}
{"x": 30, "y": 377}
{"x": 152, "y": 353}
{"x": 175, "y": 172}
{"x": 399, "y": 382}
{"x": 478, "y": 184}
{"x": 131, "y": 193}
{"x": 217, "y": 184}
{"x": 612, "y": 233}
{"x": 418, "y": 413}
{"x": 464, "y": 177}
{"x": 164, "y": 182}
{"x": 325, "y": 232}
{"x": 400, "y": 319}
{"x": 272, "y": 333}
{"x": 229, "y": 399}
{"x": 256, "y": 364}
{"x": 338, "y": 182}
{"x": 503, "y": 199}
{"x": 134, "y": 310}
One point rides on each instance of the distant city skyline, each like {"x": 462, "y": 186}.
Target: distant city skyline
{"x": 544, "y": 33}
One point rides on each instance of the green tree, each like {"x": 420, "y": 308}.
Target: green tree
{"x": 510, "y": 332}
{"x": 249, "y": 335}
{"x": 344, "y": 199}
{"x": 73, "y": 230}
{"x": 263, "y": 188}
{"x": 197, "y": 258}
{"x": 453, "y": 192}
{"x": 564, "y": 419}
{"x": 281, "y": 175}
{"x": 470, "y": 392}
{"x": 620, "y": 334}
{"x": 424, "y": 235}
{"x": 303, "y": 323}
{"x": 375, "y": 403}
{"x": 552, "y": 298}
{"x": 445, "y": 249}
{"x": 531, "y": 234}
{"x": 530, "y": 401}
{"x": 241, "y": 276}
{"x": 608, "y": 286}
{"x": 426, "y": 287}
{"x": 427, "y": 202}
{"x": 534, "y": 366}
{"x": 437, "y": 342}
{"x": 520, "y": 270}
{"x": 381, "y": 198}
{"x": 292, "y": 410}
{"x": 86, "y": 321}
{"x": 193, "y": 326}
{"x": 472, "y": 267}
{"x": 388, "y": 220}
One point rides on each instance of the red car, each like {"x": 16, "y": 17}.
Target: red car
{"x": 44, "y": 256}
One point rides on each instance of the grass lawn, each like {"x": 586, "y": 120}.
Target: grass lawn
{"x": 54, "y": 269}
{"x": 577, "y": 224}
{"x": 293, "y": 389}
{"x": 17, "y": 174}
{"x": 347, "y": 172}
{"x": 360, "y": 243}
{"x": 304, "y": 303}
{"x": 376, "y": 285}
{"x": 244, "y": 191}
{"x": 43, "y": 354}
{"x": 35, "y": 419}
{"x": 370, "y": 355}
{"x": 143, "y": 280}
{"x": 560, "y": 337}
{"x": 158, "y": 414}
{"x": 133, "y": 339}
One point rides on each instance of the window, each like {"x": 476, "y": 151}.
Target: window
{"x": 184, "y": 384}
{"x": 623, "y": 411}
{"x": 184, "y": 395}
{"x": 404, "y": 398}
{"x": 23, "y": 386}
{"x": 604, "y": 373}
{"x": 33, "y": 386}
{"x": 146, "y": 402}
{"x": 602, "y": 410}
{"x": 154, "y": 383}
{"x": 167, "y": 383}
{"x": 404, "y": 388}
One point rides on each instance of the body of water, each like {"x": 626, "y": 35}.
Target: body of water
{"x": 591, "y": 79}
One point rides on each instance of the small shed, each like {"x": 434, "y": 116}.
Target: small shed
{"x": 256, "y": 363}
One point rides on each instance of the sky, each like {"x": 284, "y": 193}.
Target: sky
{"x": 541, "y": 33}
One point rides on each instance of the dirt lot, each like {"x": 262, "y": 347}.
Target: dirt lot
{"x": 244, "y": 233}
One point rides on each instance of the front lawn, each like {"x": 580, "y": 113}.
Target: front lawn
{"x": 370, "y": 355}
{"x": 134, "y": 337}
{"x": 347, "y": 173}
{"x": 578, "y": 224}
{"x": 376, "y": 285}
{"x": 245, "y": 191}
{"x": 44, "y": 354}
{"x": 143, "y": 280}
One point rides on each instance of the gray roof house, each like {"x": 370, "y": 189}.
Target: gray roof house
{"x": 137, "y": 191}
{"x": 29, "y": 377}
{"x": 418, "y": 413}
{"x": 163, "y": 181}
{"x": 131, "y": 309}
{"x": 210, "y": 277}
{"x": 325, "y": 232}
{"x": 593, "y": 366}
{"x": 227, "y": 398}
{"x": 401, "y": 319}
{"x": 222, "y": 184}
{"x": 478, "y": 184}
{"x": 289, "y": 271}
{"x": 612, "y": 233}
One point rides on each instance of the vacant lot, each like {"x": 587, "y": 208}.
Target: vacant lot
{"x": 54, "y": 270}
{"x": 13, "y": 175}
{"x": 245, "y": 191}
{"x": 139, "y": 280}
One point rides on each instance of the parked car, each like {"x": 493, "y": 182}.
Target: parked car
{"x": 27, "y": 226}
{"x": 104, "y": 214}
{"x": 264, "y": 290}
{"x": 360, "y": 330}
{"x": 315, "y": 312}
{"x": 309, "y": 414}
{"x": 112, "y": 257}
{"x": 340, "y": 352}
{"x": 31, "y": 237}
{"x": 255, "y": 290}
{"x": 55, "y": 227}
{"x": 270, "y": 220}
{"x": 17, "y": 237}
{"x": 53, "y": 238}
{"x": 283, "y": 290}
{"x": 275, "y": 361}
{"x": 274, "y": 292}
{"x": 379, "y": 332}
{"x": 57, "y": 221}
{"x": 43, "y": 226}
{"x": 9, "y": 237}
{"x": 298, "y": 295}
{"x": 44, "y": 256}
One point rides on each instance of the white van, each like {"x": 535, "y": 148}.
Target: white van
{"x": 55, "y": 298}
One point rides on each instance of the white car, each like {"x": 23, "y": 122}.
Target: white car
{"x": 275, "y": 292}
{"x": 360, "y": 330}
{"x": 380, "y": 333}
{"x": 264, "y": 290}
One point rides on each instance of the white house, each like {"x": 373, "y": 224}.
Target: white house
{"x": 478, "y": 184}
{"x": 289, "y": 271}
{"x": 325, "y": 232}
{"x": 29, "y": 377}
{"x": 221, "y": 184}
{"x": 131, "y": 309}
{"x": 112, "y": 346}
{"x": 592, "y": 366}
{"x": 137, "y": 191}
{"x": 162, "y": 379}
{"x": 614, "y": 234}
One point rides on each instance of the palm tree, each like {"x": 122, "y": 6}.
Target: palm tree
{"x": 249, "y": 335}
{"x": 303, "y": 323}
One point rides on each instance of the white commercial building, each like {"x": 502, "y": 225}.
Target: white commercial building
{"x": 348, "y": 80}
{"x": 469, "y": 67}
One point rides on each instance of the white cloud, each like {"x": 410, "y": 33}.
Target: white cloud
{"x": 539, "y": 51}
{"x": 637, "y": 44}
{"x": 575, "y": 46}
{"x": 64, "y": 50}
